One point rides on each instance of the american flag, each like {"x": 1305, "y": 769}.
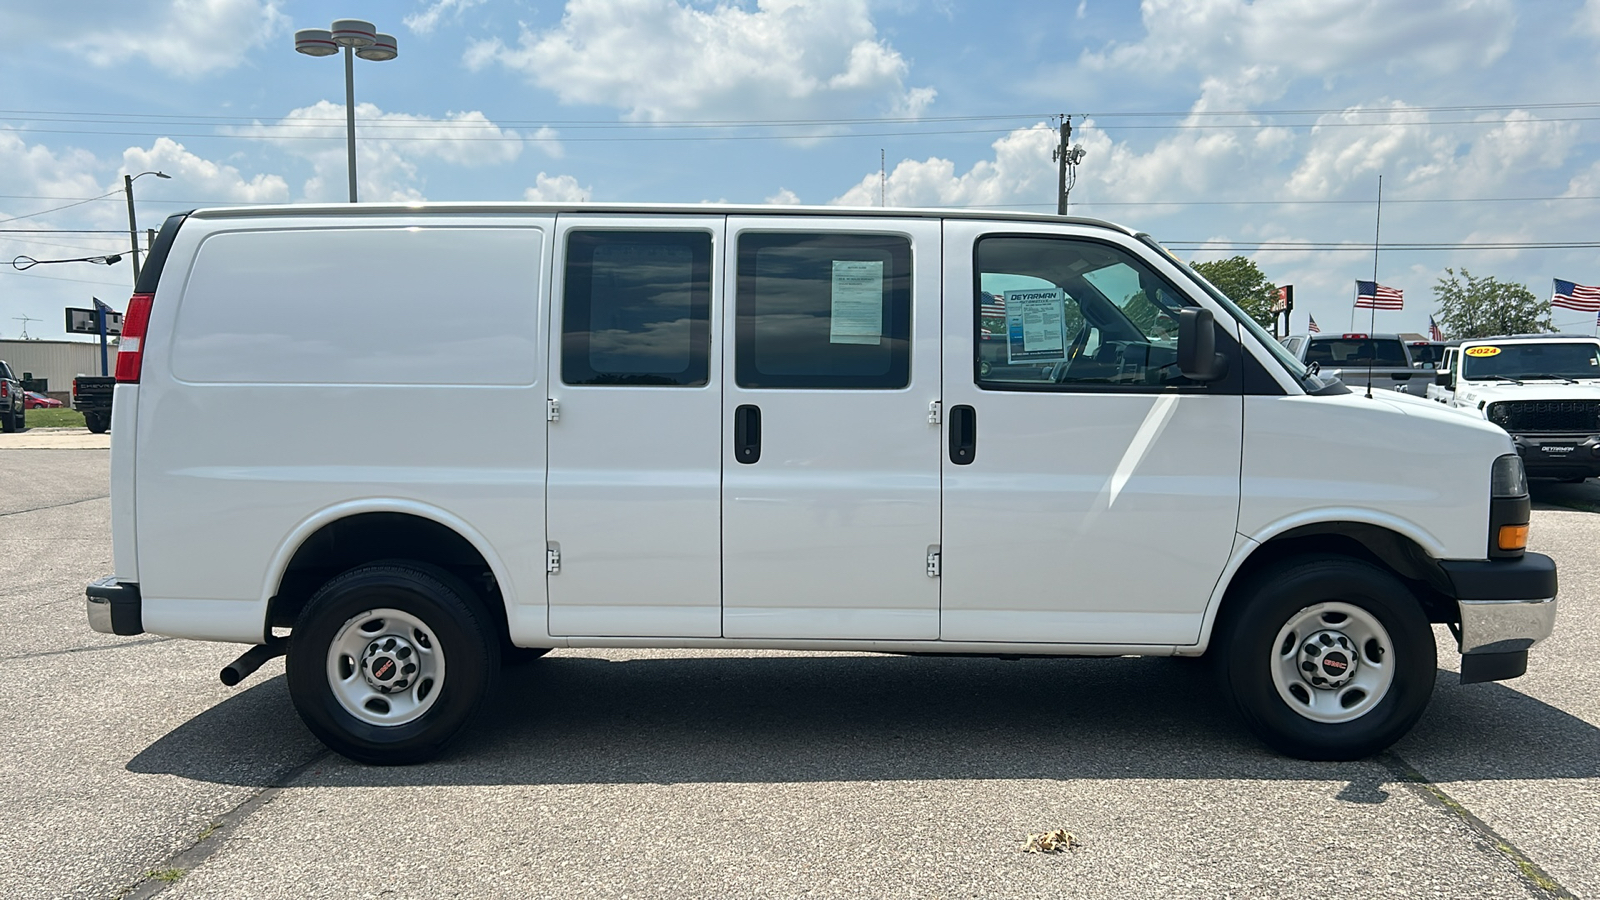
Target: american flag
{"x": 1372, "y": 295}
{"x": 1576, "y": 296}
{"x": 1313, "y": 327}
{"x": 1433, "y": 330}
{"x": 991, "y": 306}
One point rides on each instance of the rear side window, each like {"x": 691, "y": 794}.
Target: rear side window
{"x": 412, "y": 306}
{"x": 1337, "y": 352}
{"x": 823, "y": 311}
{"x": 636, "y": 308}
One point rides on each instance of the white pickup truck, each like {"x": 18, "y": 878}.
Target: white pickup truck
{"x": 1544, "y": 390}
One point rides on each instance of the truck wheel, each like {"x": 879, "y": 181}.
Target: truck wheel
{"x": 11, "y": 423}
{"x": 98, "y": 423}
{"x": 1327, "y": 658}
{"x": 390, "y": 661}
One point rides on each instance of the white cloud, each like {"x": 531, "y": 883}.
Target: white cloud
{"x": 188, "y": 38}
{"x": 1021, "y": 172}
{"x": 666, "y": 59}
{"x": 1587, "y": 20}
{"x": 388, "y": 147}
{"x": 426, "y": 21}
{"x": 202, "y": 177}
{"x": 1264, "y": 46}
{"x": 555, "y": 188}
{"x": 784, "y": 197}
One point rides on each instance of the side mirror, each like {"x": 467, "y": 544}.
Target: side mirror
{"x": 1198, "y": 358}
{"x": 1442, "y": 379}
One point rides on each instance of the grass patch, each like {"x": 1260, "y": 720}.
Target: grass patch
{"x": 54, "y": 418}
{"x": 167, "y": 875}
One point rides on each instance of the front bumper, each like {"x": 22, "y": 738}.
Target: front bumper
{"x": 1559, "y": 456}
{"x": 1507, "y": 606}
{"x": 115, "y": 607}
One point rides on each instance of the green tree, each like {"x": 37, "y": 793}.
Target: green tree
{"x": 1471, "y": 307}
{"x": 1245, "y": 284}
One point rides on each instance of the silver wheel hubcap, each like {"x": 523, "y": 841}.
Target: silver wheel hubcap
{"x": 1333, "y": 662}
{"x": 385, "y": 667}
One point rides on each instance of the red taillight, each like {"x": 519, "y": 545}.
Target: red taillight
{"x": 130, "y": 349}
{"x": 1355, "y": 337}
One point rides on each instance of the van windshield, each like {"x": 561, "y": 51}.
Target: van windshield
{"x": 1279, "y": 352}
{"x": 1552, "y": 360}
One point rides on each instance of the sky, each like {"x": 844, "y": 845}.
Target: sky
{"x": 1221, "y": 127}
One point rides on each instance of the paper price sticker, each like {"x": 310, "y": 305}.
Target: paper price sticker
{"x": 1483, "y": 351}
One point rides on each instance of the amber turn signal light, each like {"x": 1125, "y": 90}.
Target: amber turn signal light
{"x": 1513, "y": 537}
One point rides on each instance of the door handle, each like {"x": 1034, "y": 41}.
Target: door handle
{"x": 747, "y": 434}
{"x": 963, "y": 435}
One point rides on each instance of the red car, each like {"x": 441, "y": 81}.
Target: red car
{"x": 34, "y": 399}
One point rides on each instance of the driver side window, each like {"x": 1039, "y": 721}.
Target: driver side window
{"x": 1063, "y": 312}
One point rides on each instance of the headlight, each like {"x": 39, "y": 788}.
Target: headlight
{"x": 1507, "y": 478}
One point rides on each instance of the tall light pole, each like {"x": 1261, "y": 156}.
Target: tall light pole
{"x": 133, "y": 226}
{"x": 358, "y": 38}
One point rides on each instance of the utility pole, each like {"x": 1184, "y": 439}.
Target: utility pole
{"x": 1067, "y": 157}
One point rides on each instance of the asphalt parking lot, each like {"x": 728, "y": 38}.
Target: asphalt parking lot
{"x": 132, "y": 771}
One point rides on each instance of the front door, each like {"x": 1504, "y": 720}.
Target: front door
{"x": 634, "y": 501}
{"x": 1091, "y": 493}
{"x": 830, "y": 459}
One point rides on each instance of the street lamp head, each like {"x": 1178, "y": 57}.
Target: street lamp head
{"x": 382, "y": 50}
{"x": 315, "y": 42}
{"x": 162, "y": 175}
{"x": 354, "y": 33}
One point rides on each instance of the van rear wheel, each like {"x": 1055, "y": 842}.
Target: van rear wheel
{"x": 389, "y": 662}
{"x": 1328, "y": 658}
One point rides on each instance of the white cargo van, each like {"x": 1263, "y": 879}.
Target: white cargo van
{"x": 425, "y": 437}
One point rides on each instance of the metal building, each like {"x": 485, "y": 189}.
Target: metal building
{"x": 57, "y": 361}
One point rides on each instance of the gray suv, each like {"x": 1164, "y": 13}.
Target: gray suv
{"x": 1356, "y": 357}
{"x": 12, "y": 400}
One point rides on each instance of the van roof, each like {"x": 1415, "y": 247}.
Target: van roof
{"x": 500, "y": 208}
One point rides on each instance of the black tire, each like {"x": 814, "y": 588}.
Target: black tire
{"x": 1261, "y": 658}
{"x": 11, "y": 422}
{"x": 98, "y": 424}
{"x": 453, "y": 627}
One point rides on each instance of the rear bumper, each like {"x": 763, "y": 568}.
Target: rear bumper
{"x": 1507, "y": 606}
{"x": 115, "y": 607}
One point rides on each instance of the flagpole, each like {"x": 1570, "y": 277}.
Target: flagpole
{"x": 1372, "y": 320}
{"x": 1377, "y": 226}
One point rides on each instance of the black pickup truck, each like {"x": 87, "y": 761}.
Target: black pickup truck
{"x": 92, "y": 397}
{"x": 12, "y": 401}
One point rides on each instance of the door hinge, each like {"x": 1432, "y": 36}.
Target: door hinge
{"x": 933, "y": 561}
{"x": 933, "y": 412}
{"x": 552, "y": 410}
{"x": 552, "y": 559}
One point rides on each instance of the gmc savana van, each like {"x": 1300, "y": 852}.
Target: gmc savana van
{"x": 424, "y": 438}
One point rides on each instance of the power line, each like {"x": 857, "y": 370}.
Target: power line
{"x": 59, "y": 208}
{"x": 71, "y": 115}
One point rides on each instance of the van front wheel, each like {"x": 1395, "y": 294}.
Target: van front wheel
{"x": 1328, "y": 658}
{"x": 389, "y": 662}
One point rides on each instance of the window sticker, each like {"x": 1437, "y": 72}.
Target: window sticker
{"x": 1035, "y": 326}
{"x": 857, "y": 316}
{"x": 1483, "y": 351}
